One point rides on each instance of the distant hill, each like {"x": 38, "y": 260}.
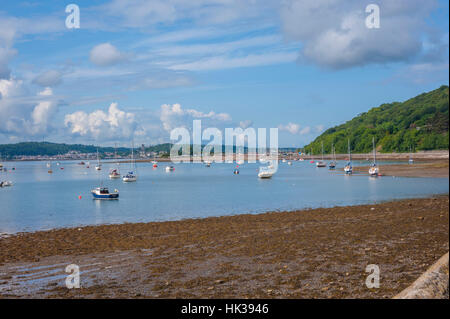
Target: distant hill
{"x": 8, "y": 151}
{"x": 421, "y": 122}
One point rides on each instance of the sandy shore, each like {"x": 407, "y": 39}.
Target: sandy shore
{"x": 320, "y": 253}
{"x": 434, "y": 169}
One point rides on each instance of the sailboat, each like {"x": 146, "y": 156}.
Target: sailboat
{"x": 332, "y": 164}
{"x": 49, "y": 166}
{"x": 131, "y": 176}
{"x": 348, "y": 169}
{"x": 115, "y": 172}
{"x": 321, "y": 163}
{"x": 98, "y": 167}
{"x": 373, "y": 170}
{"x": 410, "y": 161}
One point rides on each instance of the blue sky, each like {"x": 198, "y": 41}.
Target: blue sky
{"x": 135, "y": 69}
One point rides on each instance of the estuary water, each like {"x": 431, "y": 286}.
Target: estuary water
{"x": 40, "y": 201}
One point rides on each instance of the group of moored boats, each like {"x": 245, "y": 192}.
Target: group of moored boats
{"x": 348, "y": 168}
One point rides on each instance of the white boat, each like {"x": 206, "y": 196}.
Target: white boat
{"x": 333, "y": 163}
{"x": 170, "y": 168}
{"x": 373, "y": 170}
{"x": 48, "y": 165}
{"x": 131, "y": 176}
{"x": 208, "y": 163}
{"x": 284, "y": 161}
{"x": 289, "y": 163}
{"x": 114, "y": 174}
{"x": 321, "y": 163}
{"x": 6, "y": 184}
{"x": 98, "y": 167}
{"x": 410, "y": 161}
{"x": 348, "y": 169}
{"x": 265, "y": 172}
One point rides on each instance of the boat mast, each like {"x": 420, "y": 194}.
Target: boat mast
{"x": 374, "y": 151}
{"x": 349, "y": 152}
{"x": 322, "y": 151}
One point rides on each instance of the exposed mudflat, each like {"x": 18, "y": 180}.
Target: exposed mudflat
{"x": 434, "y": 169}
{"x": 320, "y": 253}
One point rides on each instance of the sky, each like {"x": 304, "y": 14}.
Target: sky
{"x": 136, "y": 69}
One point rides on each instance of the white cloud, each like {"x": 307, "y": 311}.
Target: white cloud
{"x": 174, "y": 115}
{"x": 24, "y": 114}
{"x": 334, "y": 35}
{"x": 226, "y": 62}
{"x": 106, "y": 54}
{"x": 103, "y": 126}
{"x": 292, "y": 128}
{"x": 296, "y": 129}
{"x": 245, "y": 124}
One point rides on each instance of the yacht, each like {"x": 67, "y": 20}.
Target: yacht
{"x": 321, "y": 163}
{"x": 114, "y": 174}
{"x": 348, "y": 169}
{"x": 131, "y": 176}
{"x": 373, "y": 170}
{"x": 333, "y": 163}
{"x": 98, "y": 167}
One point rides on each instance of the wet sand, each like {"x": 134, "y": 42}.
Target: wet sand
{"x": 435, "y": 169}
{"x": 319, "y": 253}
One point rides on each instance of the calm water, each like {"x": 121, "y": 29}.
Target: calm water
{"x": 39, "y": 200}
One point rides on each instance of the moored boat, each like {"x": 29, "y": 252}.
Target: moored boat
{"x": 104, "y": 193}
{"x": 114, "y": 174}
{"x": 170, "y": 168}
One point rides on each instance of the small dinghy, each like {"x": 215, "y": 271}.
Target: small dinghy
{"x": 104, "y": 193}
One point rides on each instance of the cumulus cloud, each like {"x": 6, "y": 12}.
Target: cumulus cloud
{"x": 174, "y": 115}
{"x": 292, "y": 128}
{"x": 296, "y": 129}
{"x": 334, "y": 35}
{"x": 114, "y": 124}
{"x": 48, "y": 78}
{"x": 106, "y": 54}
{"x": 245, "y": 124}
{"x": 24, "y": 114}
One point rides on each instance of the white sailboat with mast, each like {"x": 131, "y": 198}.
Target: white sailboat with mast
{"x": 373, "y": 170}
{"x": 332, "y": 164}
{"x": 131, "y": 176}
{"x": 98, "y": 167}
{"x": 321, "y": 163}
{"x": 410, "y": 161}
{"x": 115, "y": 172}
{"x": 348, "y": 169}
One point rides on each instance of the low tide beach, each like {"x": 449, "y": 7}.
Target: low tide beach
{"x": 319, "y": 253}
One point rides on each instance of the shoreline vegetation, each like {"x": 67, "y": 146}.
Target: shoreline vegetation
{"x": 317, "y": 253}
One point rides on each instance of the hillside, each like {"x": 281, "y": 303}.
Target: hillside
{"x": 420, "y": 123}
{"x": 8, "y": 151}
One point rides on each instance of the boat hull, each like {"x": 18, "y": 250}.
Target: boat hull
{"x": 105, "y": 196}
